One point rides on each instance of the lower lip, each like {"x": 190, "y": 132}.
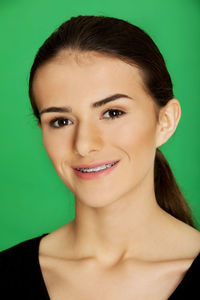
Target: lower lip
{"x": 95, "y": 175}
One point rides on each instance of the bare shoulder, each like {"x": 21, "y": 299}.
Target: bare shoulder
{"x": 53, "y": 244}
{"x": 188, "y": 239}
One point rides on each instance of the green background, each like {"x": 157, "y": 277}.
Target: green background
{"x": 33, "y": 199}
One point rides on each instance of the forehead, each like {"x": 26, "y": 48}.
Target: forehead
{"x": 89, "y": 74}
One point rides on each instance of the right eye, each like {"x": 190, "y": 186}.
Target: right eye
{"x": 58, "y": 122}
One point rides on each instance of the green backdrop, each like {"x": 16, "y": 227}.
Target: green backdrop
{"x": 33, "y": 199}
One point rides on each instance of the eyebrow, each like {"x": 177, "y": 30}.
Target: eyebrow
{"x": 95, "y": 104}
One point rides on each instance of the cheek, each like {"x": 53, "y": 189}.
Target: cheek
{"x": 56, "y": 147}
{"x": 137, "y": 140}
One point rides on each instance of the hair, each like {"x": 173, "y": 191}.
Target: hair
{"x": 118, "y": 38}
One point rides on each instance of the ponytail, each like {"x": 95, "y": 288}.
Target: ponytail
{"x": 168, "y": 194}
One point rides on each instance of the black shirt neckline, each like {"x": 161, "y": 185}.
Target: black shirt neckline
{"x": 183, "y": 282}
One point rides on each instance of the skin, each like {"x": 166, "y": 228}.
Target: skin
{"x": 117, "y": 216}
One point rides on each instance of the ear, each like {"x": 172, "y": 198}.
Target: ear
{"x": 169, "y": 117}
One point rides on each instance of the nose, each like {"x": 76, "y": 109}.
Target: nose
{"x": 88, "y": 138}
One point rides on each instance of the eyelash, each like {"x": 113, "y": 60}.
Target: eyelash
{"x": 51, "y": 123}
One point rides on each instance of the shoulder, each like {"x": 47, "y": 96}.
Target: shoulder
{"x": 19, "y": 251}
{"x": 17, "y": 261}
{"x": 189, "y": 284}
{"x": 182, "y": 241}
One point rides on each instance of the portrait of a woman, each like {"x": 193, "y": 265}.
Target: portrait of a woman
{"x": 103, "y": 98}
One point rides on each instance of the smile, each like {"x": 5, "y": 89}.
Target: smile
{"x": 93, "y": 173}
{"x": 97, "y": 169}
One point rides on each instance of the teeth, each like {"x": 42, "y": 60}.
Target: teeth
{"x": 88, "y": 170}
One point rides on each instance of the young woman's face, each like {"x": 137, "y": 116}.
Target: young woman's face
{"x": 121, "y": 130}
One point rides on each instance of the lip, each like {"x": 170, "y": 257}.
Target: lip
{"x": 95, "y": 175}
{"x": 95, "y": 165}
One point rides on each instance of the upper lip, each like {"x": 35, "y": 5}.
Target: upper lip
{"x": 94, "y": 165}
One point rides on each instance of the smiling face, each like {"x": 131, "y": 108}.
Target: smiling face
{"x": 123, "y": 129}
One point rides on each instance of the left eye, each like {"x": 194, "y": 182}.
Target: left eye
{"x": 114, "y": 113}
{"x": 60, "y": 122}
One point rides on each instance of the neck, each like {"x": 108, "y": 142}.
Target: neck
{"x": 123, "y": 229}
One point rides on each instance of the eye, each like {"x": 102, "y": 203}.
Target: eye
{"x": 115, "y": 113}
{"x": 59, "y": 122}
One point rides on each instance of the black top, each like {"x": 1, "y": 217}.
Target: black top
{"x": 21, "y": 276}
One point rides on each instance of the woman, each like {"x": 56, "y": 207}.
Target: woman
{"x": 103, "y": 99}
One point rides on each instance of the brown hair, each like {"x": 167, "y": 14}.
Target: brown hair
{"x": 121, "y": 39}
